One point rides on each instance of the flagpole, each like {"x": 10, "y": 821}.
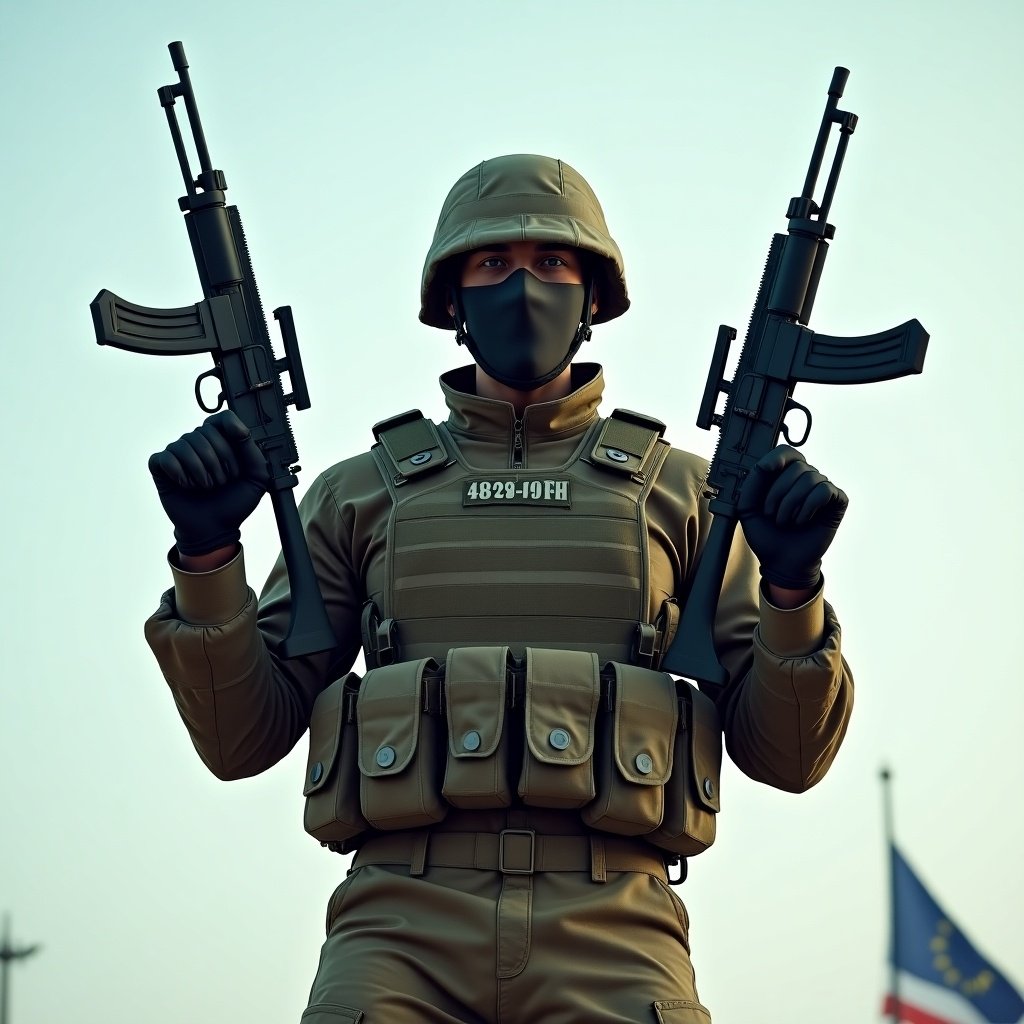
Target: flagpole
{"x": 9, "y": 953}
{"x": 894, "y": 986}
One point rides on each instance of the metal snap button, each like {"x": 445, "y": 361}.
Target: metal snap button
{"x": 644, "y": 764}
{"x": 316, "y": 773}
{"x": 709, "y": 788}
{"x": 559, "y": 739}
{"x": 419, "y": 458}
{"x": 471, "y": 741}
{"x": 616, "y": 456}
{"x": 386, "y": 757}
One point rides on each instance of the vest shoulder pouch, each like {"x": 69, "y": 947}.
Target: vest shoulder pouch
{"x": 635, "y": 753}
{"x": 412, "y": 445}
{"x": 563, "y": 690}
{"x": 332, "y": 813}
{"x": 626, "y": 442}
{"x": 476, "y": 770}
{"x": 691, "y": 794}
{"x": 399, "y": 747}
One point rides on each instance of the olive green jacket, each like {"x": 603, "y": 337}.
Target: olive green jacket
{"x": 790, "y": 694}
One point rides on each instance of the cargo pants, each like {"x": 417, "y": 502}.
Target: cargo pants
{"x": 510, "y": 926}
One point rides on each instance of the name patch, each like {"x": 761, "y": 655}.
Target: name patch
{"x": 554, "y": 492}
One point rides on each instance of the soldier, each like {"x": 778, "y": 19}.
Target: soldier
{"x": 513, "y": 772}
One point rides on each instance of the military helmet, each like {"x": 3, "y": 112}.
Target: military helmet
{"x": 521, "y": 198}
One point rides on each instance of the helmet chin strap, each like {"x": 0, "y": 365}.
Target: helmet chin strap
{"x": 459, "y": 316}
{"x": 585, "y": 330}
{"x": 583, "y": 333}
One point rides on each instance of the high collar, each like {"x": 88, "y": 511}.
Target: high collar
{"x": 487, "y": 418}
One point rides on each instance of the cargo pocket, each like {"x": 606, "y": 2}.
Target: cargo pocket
{"x": 398, "y": 748}
{"x": 681, "y": 1011}
{"x": 634, "y": 753}
{"x": 691, "y": 794}
{"x": 476, "y": 771}
{"x": 562, "y": 695}
{"x": 332, "y": 812}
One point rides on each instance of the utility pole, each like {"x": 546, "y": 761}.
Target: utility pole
{"x": 9, "y": 953}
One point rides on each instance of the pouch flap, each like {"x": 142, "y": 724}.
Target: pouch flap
{"x": 412, "y": 443}
{"x": 563, "y": 689}
{"x": 388, "y": 710}
{"x": 476, "y": 680}
{"x": 646, "y": 717}
{"x": 625, "y": 441}
{"x": 706, "y": 746}
{"x": 325, "y": 725}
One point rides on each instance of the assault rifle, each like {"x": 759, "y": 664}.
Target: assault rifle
{"x": 779, "y": 351}
{"x": 230, "y": 324}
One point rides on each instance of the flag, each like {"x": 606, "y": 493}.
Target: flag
{"x": 940, "y": 977}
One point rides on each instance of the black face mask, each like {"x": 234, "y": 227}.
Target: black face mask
{"x": 523, "y": 332}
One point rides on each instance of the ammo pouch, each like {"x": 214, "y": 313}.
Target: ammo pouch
{"x": 635, "y": 756}
{"x": 332, "y": 812}
{"x": 638, "y": 753}
{"x": 399, "y": 747}
{"x": 476, "y": 693}
{"x": 659, "y": 762}
{"x": 691, "y": 793}
{"x": 562, "y": 694}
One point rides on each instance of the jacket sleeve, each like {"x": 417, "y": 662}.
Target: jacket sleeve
{"x": 787, "y": 704}
{"x": 243, "y": 705}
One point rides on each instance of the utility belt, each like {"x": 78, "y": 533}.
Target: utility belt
{"x": 633, "y": 751}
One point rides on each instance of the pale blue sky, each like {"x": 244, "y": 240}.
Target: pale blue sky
{"x": 163, "y": 895}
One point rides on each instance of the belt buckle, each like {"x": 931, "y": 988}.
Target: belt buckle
{"x": 507, "y": 857}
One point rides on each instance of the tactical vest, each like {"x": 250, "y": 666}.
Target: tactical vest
{"x": 543, "y": 558}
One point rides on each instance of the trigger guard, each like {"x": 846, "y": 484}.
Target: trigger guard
{"x": 220, "y": 397}
{"x": 790, "y": 405}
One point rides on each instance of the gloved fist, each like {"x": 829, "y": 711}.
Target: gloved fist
{"x": 790, "y": 513}
{"x": 209, "y": 481}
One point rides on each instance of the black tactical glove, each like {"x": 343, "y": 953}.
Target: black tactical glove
{"x": 209, "y": 481}
{"x": 790, "y": 513}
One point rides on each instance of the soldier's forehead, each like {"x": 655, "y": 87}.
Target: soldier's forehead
{"x": 539, "y": 246}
